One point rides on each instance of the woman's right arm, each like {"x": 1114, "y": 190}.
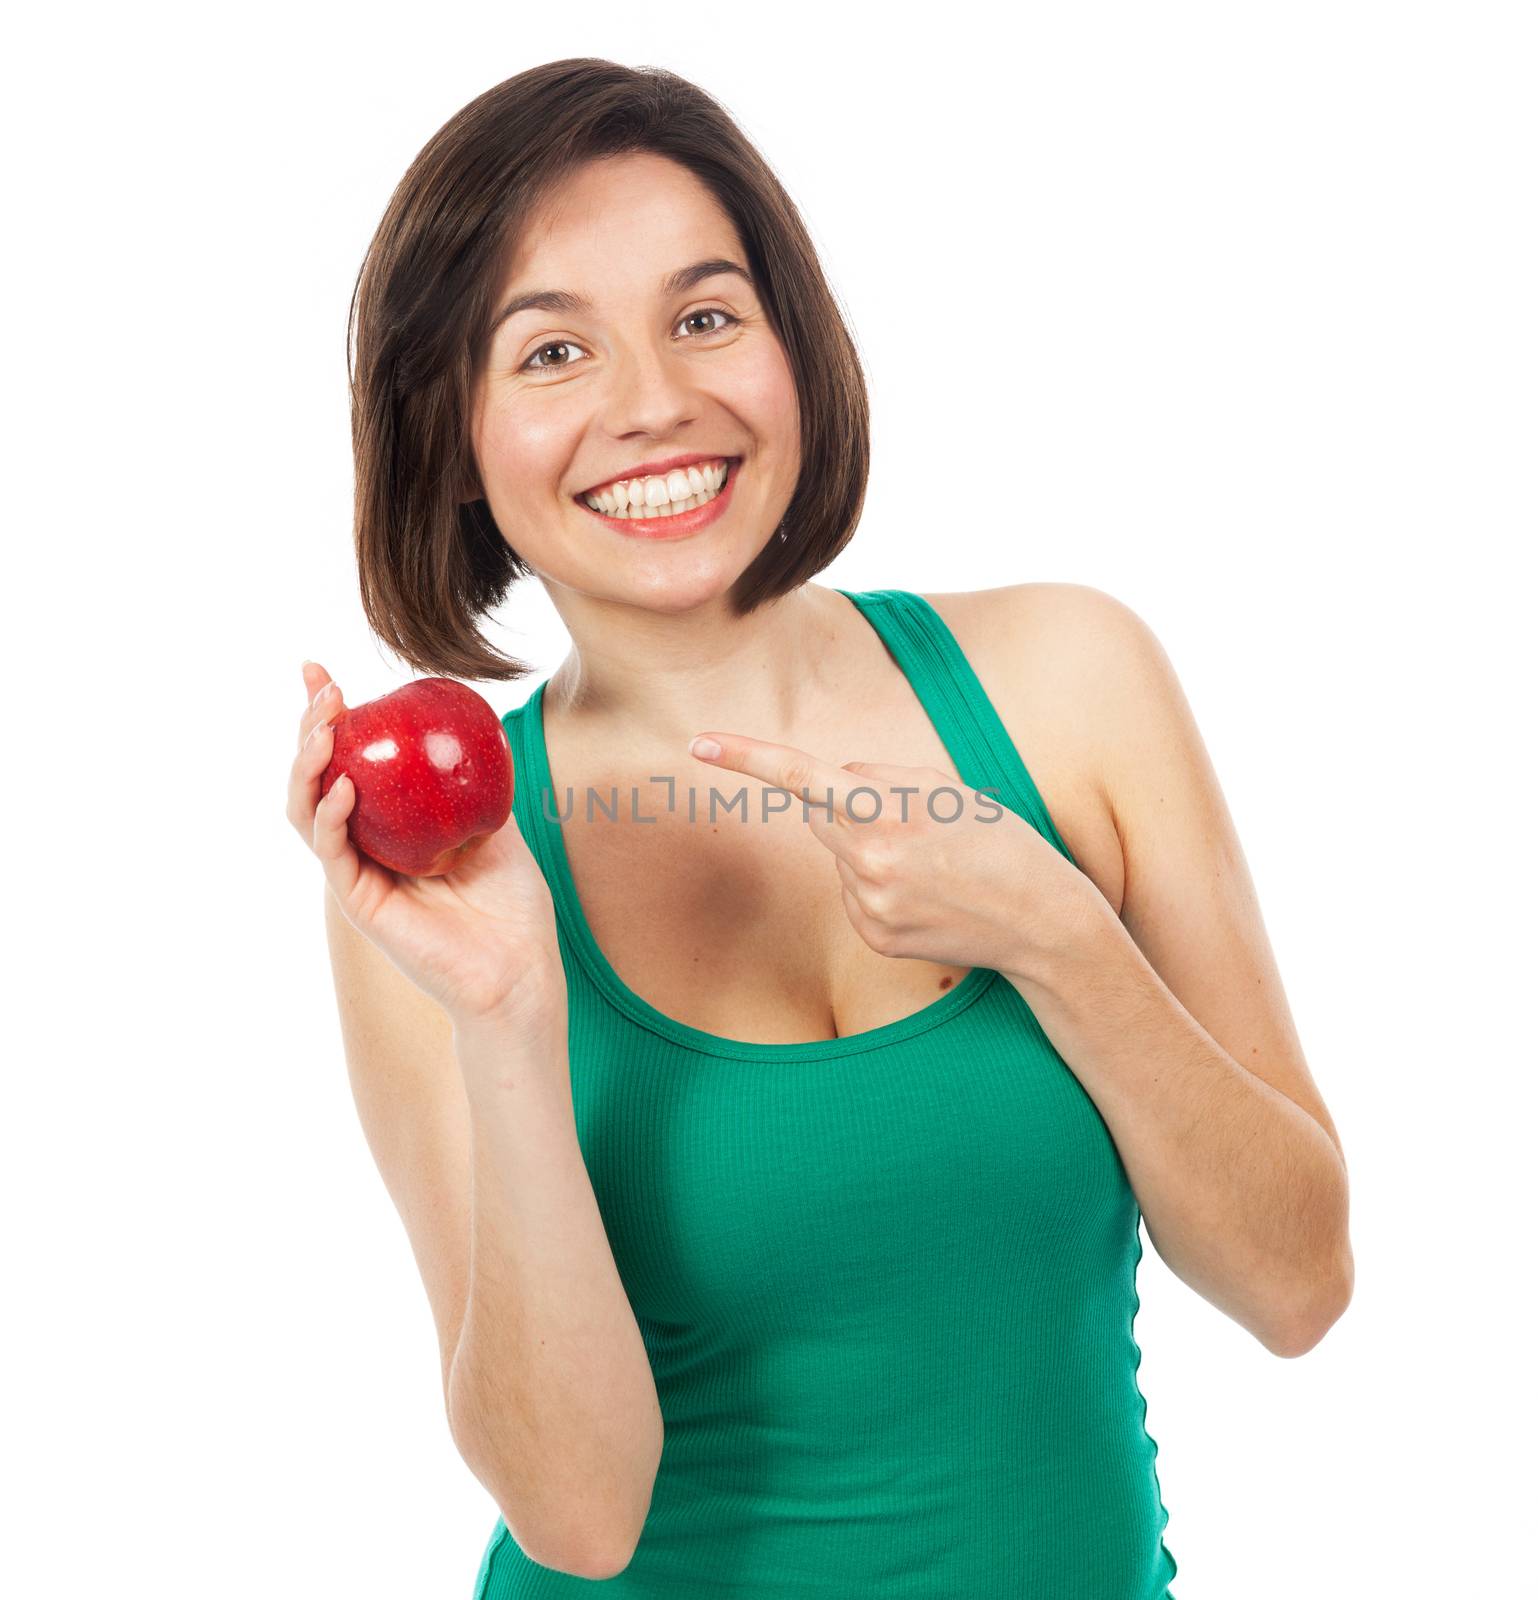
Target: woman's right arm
{"x": 551, "y": 1396}
{"x": 467, "y": 1111}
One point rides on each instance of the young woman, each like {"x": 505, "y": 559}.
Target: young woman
{"x": 772, "y": 1127}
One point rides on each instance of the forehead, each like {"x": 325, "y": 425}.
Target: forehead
{"x": 662, "y": 212}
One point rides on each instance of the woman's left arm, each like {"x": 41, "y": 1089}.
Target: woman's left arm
{"x": 1174, "y": 1018}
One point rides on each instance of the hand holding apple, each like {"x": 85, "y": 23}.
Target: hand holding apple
{"x": 475, "y": 928}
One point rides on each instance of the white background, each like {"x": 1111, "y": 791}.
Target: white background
{"x": 1227, "y": 310}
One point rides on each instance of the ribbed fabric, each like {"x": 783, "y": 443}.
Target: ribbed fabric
{"x": 887, "y": 1282}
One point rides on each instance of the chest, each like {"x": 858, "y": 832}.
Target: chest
{"x": 733, "y": 921}
{"x": 850, "y": 1198}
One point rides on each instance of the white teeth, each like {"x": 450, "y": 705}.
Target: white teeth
{"x": 664, "y": 496}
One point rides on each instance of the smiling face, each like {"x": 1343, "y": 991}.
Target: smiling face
{"x": 672, "y": 356}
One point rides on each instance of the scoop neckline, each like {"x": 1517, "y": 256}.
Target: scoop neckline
{"x": 569, "y": 907}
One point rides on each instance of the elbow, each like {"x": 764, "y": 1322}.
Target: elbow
{"x": 604, "y": 1552}
{"x": 613, "y": 1555}
{"x": 597, "y": 1554}
{"x": 614, "y": 1547}
{"x": 596, "y": 1548}
{"x": 608, "y": 1562}
{"x": 585, "y": 1521}
{"x": 1313, "y": 1317}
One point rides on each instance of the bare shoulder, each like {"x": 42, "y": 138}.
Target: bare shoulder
{"x": 1070, "y": 623}
{"x": 1068, "y": 645}
{"x": 1042, "y": 652}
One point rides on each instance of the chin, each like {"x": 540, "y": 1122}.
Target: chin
{"x": 685, "y": 584}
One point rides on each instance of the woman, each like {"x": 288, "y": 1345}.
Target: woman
{"x": 774, "y": 1167}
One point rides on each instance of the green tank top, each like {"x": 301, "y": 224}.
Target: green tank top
{"x": 886, "y": 1282}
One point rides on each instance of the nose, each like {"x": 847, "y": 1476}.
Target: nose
{"x": 651, "y": 394}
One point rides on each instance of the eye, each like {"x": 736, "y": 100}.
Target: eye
{"x": 536, "y": 362}
{"x": 542, "y": 366}
{"x": 714, "y": 311}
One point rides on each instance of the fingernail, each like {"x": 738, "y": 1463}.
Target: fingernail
{"x": 705, "y": 749}
{"x": 320, "y": 694}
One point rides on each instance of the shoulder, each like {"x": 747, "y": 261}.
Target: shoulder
{"x": 1077, "y": 624}
{"x": 1062, "y": 663}
{"x": 1090, "y": 650}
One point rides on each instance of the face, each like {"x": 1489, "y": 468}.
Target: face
{"x": 572, "y": 400}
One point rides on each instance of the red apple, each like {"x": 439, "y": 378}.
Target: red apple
{"x": 433, "y": 773}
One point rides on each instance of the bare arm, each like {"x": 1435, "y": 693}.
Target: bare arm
{"x": 547, "y": 1385}
{"x": 1173, "y": 1015}
{"x": 551, "y": 1394}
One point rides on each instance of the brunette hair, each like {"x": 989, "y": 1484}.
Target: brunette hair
{"x": 431, "y": 559}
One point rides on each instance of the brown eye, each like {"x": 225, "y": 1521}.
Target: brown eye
{"x": 714, "y": 311}
{"x": 557, "y": 344}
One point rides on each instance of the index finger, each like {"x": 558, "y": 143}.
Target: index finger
{"x": 816, "y": 781}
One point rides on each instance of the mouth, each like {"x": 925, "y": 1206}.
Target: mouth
{"x": 671, "y": 503}
{"x": 665, "y": 494}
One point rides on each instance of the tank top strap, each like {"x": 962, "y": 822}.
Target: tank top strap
{"x": 950, "y": 691}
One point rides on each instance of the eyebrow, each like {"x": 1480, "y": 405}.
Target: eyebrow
{"x": 562, "y": 300}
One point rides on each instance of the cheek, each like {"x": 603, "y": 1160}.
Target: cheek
{"x": 763, "y": 393}
{"x": 522, "y": 448}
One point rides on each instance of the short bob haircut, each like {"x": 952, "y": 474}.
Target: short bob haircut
{"x": 431, "y": 559}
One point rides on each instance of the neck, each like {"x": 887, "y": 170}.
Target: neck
{"x": 663, "y": 677}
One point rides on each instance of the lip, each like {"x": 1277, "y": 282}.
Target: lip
{"x": 680, "y": 526}
{"x": 650, "y": 469}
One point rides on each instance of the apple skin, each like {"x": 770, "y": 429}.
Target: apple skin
{"x": 433, "y": 772}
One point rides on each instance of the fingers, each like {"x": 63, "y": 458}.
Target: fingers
{"x": 322, "y": 821}
{"x": 325, "y": 699}
{"x": 316, "y": 733}
{"x": 819, "y": 783}
{"x": 329, "y": 838}
{"x": 314, "y": 676}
